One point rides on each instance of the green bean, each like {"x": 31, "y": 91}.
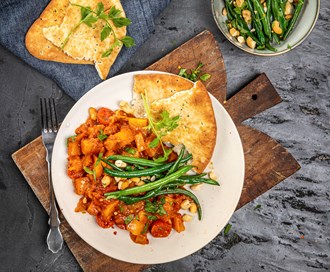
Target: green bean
{"x": 277, "y": 14}
{"x": 150, "y": 186}
{"x": 230, "y": 17}
{"x": 294, "y": 18}
{"x": 199, "y": 180}
{"x": 112, "y": 165}
{"x": 241, "y": 24}
{"x": 269, "y": 10}
{"x": 176, "y": 165}
{"x": 139, "y": 173}
{"x": 133, "y": 160}
{"x": 276, "y": 38}
{"x": 257, "y": 23}
{"x": 264, "y": 19}
{"x": 131, "y": 200}
{"x": 193, "y": 176}
{"x": 269, "y": 47}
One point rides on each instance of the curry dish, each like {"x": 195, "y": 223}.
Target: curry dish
{"x": 106, "y": 133}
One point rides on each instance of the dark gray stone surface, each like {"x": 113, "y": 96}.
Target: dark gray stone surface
{"x": 288, "y": 232}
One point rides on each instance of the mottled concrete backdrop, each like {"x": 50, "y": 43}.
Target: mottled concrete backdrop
{"x": 285, "y": 229}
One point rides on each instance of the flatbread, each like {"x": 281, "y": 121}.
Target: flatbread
{"x": 156, "y": 86}
{"x": 38, "y": 45}
{"x": 197, "y": 126}
{"x": 85, "y": 43}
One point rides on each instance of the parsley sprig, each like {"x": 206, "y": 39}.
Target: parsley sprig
{"x": 194, "y": 73}
{"x": 160, "y": 128}
{"x": 90, "y": 17}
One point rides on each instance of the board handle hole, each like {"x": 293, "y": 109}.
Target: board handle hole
{"x": 254, "y": 96}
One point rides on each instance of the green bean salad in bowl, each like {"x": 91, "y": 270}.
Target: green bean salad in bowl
{"x": 266, "y": 27}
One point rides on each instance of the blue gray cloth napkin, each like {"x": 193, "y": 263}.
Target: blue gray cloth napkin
{"x": 16, "y": 17}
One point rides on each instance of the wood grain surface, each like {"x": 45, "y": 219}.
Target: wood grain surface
{"x": 267, "y": 162}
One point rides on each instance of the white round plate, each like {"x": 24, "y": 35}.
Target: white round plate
{"x": 218, "y": 202}
{"x": 304, "y": 26}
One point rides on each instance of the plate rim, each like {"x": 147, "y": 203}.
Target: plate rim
{"x": 78, "y": 231}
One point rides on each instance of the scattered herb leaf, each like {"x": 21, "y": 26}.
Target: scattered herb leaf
{"x": 102, "y": 136}
{"x": 227, "y": 229}
{"x": 130, "y": 150}
{"x": 71, "y": 139}
{"x": 152, "y": 217}
{"x": 128, "y": 219}
{"x": 257, "y": 207}
{"x": 145, "y": 228}
{"x": 155, "y": 207}
{"x": 194, "y": 74}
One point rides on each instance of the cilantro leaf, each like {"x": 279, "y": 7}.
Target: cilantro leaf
{"x": 128, "y": 41}
{"x": 109, "y": 51}
{"x": 84, "y": 11}
{"x": 128, "y": 219}
{"x": 105, "y": 32}
{"x": 102, "y": 136}
{"x": 114, "y": 12}
{"x": 130, "y": 150}
{"x": 155, "y": 207}
{"x": 100, "y": 8}
{"x": 90, "y": 19}
{"x": 121, "y": 21}
{"x": 204, "y": 77}
{"x": 194, "y": 73}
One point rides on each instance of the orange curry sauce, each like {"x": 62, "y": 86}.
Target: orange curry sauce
{"x": 106, "y": 133}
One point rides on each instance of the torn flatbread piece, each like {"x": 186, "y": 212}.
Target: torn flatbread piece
{"x": 197, "y": 128}
{"x": 156, "y": 86}
{"x": 35, "y": 42}
{"x": 84, "y": 42}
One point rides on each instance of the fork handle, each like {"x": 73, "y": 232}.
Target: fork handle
{"x": 54, "y": 238}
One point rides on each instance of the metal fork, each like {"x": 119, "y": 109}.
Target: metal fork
{"x": 49, "y": 130}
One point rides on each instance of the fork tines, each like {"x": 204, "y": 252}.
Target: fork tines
{"x": 48, "y": 115}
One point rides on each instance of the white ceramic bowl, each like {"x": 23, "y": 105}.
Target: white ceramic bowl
{"x": 302, "y": 29}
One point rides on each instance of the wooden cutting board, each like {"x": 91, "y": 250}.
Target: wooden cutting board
{"x": 267, "y": 162}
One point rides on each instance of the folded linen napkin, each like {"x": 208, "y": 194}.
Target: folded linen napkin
{"x": 16, "y": 17}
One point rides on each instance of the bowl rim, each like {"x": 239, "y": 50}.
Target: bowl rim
{"x": 271, "y": 54}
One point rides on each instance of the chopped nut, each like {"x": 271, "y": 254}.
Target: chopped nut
{"x": 187, "y": 218}
{"x": 288, "y": 8}
{"x": 117, "y": 179}
{"x": 92, "y": 113}
{"x": 246, "y": 15}
{"x": 213, "y": 176}
{"x": 234, "y": 32}
{"x": 140, "y": 183}
{"x": 193, "y": 208}
{"x": 288, "y": 17}
{"x": 120, "y": 163}
{"x": 241, "y": 39}
{"x": 105, "y": 181}
{"x": 224, "y": 12}
{"x": 276, "y": 27}
{"x": 153, "y": 178}
{"x": 251, "y": 43}
{"x": 135, "y": 180}
{"x": 84, "y": 200}
{"x": 196, "y": 187}
{"x": 239, "y": 3}
{"x": 185, "y": 205}
{"x": 123, "y": 184}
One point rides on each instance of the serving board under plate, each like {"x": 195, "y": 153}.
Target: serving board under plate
{"x": 267, "y": 162}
